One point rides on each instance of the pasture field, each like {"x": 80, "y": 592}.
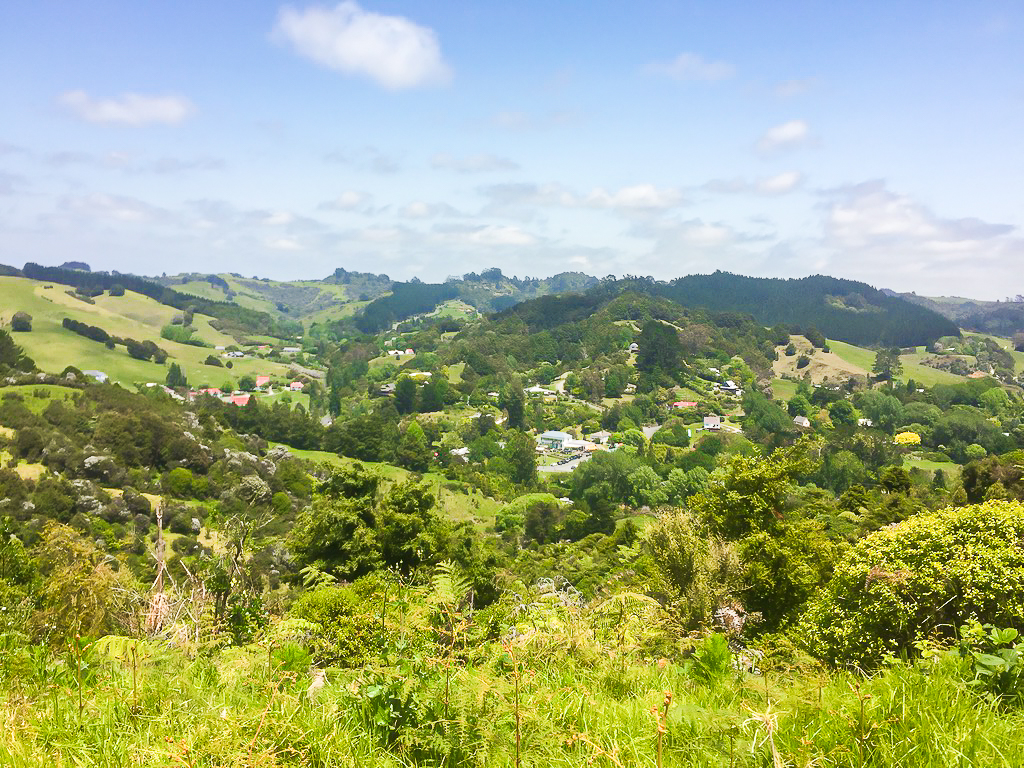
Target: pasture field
{"x": 862, "y": 359}
{"x": 133, "y": 315}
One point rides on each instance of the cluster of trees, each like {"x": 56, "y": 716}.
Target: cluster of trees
{"x": 140, "y": 350}
{"x": 13, "y": 357}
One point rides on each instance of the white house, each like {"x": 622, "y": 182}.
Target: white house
{"x": 100, "y": 376}
{"x": 713, "y": 423}
{"x": 802, "y": 421}
{"x": 553, "y": 440}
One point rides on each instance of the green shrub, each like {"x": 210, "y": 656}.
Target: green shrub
{"x": 348, "y": 632}
{"x": 920, "y": 578}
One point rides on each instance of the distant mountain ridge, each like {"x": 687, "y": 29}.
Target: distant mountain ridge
{"x": 1002, "y": 318}
{"x": 841, "y": 309}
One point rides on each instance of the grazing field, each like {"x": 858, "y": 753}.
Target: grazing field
{"x": 862, "y": 359}
{"x": 923, "y": 374}
{"x": 951, "y": 469}
{"x": 783, "y": 389}
{"x": 53, "y": 347}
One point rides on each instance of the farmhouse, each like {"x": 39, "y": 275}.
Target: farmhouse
{"x": 713, "y": 423}
{"x": 296, "y": 386}
{"x": 262, "y": 381}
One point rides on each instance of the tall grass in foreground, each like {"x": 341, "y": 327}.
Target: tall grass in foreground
{"x": 146, "y": 705}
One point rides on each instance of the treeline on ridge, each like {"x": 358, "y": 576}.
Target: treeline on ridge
{"x": 230, "y": 315}
{"x": 841, "y": 309}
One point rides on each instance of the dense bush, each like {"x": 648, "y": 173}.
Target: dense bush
{"x": 924, "y": 576}
{"x": 347, "y": 632}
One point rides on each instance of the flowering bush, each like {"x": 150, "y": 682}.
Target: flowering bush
{"x": 920, "y": 578}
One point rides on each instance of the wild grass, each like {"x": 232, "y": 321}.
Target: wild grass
{"x": 243, "y": 707}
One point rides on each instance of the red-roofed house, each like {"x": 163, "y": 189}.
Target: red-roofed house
{"x": 210, "y": 391}
{"x": 240, "y": 399}
{"x": 262, "y": 381}
{"x": 296, "y": 386}
{"x": 684, "y": 404}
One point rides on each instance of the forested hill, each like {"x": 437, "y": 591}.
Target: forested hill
{"x": 841, "y": 309}
{"x": 488, "y": 291}
{"x": 1003, "y": 318}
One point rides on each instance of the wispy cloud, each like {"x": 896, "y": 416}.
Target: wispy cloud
{"x": 349, "y": 200}
{"x": 422, "y": 210}
{"x": 871, "y": 231}
{"x": 790, "y": 88}
{"x": 636, "y": 197}
{"x": 10, "y": 183}
{"x": 393, "y": 51}
{"x": 692, "y": 67}
{"x": 788, "y": 135}
{"x": 366, "y": 159}
{"x": 119, "y": 208}
{"x": 128, "y": 109}
{"x": 480, "y": 163}
{"x": 122, "y": 161}
{"x": 779, "y": 184}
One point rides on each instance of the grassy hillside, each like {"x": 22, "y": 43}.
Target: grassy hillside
{"x": 53, "y": 347}
{"x": 309, "y": 301}
{"x": 862, "y": 359}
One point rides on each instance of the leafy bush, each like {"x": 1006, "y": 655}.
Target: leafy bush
{"x": 348, "y": 634}
{"x": 924, "y": 576}
{"x": 21, "y": 321}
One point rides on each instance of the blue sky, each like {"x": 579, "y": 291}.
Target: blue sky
{"x": 875, "y": 141}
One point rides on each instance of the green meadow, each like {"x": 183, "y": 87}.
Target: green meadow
{"x": 53, "y": 347}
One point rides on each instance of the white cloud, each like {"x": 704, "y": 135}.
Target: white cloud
{"x": 422, "y": 210}
{"x": 393, "y": 51}
{"x": 868, "y": 215}
{"x": 789, "y": 135}
{"x": 693, "y": 66}
{"x": 891, "y": 240}
{"x": 128, "y": 210}
{"x": 494, "y": 234}
{"x": 790, "y": 88}
{"x": 770, "y": 186}
{"x": 349, "y": 200}
{"x": 284, "y": 244}
{"x": 780, "y": 184}
{"x": 279, "y": 219}
{"x": 636, "y": 197}
{"x": 130, "y": 108}
{"x": 480, "y": 163}
{"x": 366, "y": 159}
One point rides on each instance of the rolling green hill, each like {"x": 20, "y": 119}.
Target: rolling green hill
{"x": 133, "y": 315}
